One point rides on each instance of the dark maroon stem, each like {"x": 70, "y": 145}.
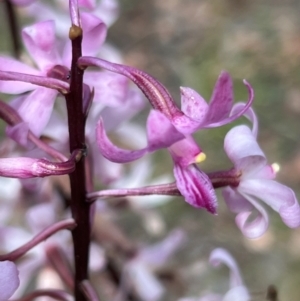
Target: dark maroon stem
{"x": 79, "y": 207}
{"x": 13, "y": 27}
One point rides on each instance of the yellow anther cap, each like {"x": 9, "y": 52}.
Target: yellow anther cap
{"x": 199, "y": 158}
{"x": 276, "y": 167}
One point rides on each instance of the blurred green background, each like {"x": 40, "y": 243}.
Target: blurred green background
{"x": 188, "y": 43}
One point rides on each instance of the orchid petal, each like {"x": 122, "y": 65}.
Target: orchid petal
{"x": 279, "y": 197}
{"x": 221, "y": 101}
{"x": 158, "y": 254}
{"x": 106, "y": 171}
{"x": 110, "y": 89}
{"x": 186, "y": 152}
{"x": 185, "y": 124}
{"x": 160, "y": 131}
{"x": 195, "y": 187}
{"x": 257, "y": 227}
{"x": 39, "y": 40}
{"x": 9, "y": 279}
{"x": 146, "y": 285}
{"x": 249, "y": 114}
{"x": 38, "y": 103}
{"x": 108, "y": 11}
{"x": 132, "y": 105}
{"x": 239, "y": 293}
{"x": 268, "y": 172}
{"x": 40, "y": 217}
{"x": 15, "y": 87}
{"x": 18, "y": 133}
{"x": 193, "y": 104}
{"x": 231, "y": 118}
{"x": 219, "y": 256}
{"x": 97, "y": 258}
{"x": 235, "y": 202}
{"x": 28, "y": 269}
{"x": 112, "y": 152}
{"x": 94, "y": 33}
{"x": 46, "y": 12}
{"x": 90, "y": 4}
{"x": 243, "y": 150}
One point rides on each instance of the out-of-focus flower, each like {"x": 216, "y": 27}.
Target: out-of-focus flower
{"x": 106, "y": 10}
{"x": 9, "y": 279}
{"x": 237, "y": 290}
{"x": 40, "y": 42}
{"x": 256, "y": 183}
{"x": 139, "y": 272}
{"x": 38, "y": 218}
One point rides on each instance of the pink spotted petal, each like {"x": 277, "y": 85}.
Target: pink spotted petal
{"x": 253, "y": 228}
{"x": 195, "y": 187}
{"x": 15, "y": 87}
{"x": 9, "y": 279}
{"x": 243, "y": 150}
{"x": 112, "y": 152}
{"x": 39, "y": 40}
{"x": 222, "y": 99}
{"x": 38, "y": 103}
{"x": 185, "y": 152}
{"x": 193, "y": 104}
{"x": 279, "y": 197}
{"x": 185, "y": 124}
{"x": 160, "y": 131}
{"x": 235, "y": 116}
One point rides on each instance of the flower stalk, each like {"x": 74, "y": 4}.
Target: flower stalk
{"x": 79, "y": 207}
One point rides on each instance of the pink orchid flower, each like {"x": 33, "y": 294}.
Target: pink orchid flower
{"x": 256, "y": 183}
{"x": 139, "y": 272}
{"x": 194, "y": 185}
{"x": 9, "y": 279}
{"x": 237, "y": 290}
{"x": 41, "y": 44}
